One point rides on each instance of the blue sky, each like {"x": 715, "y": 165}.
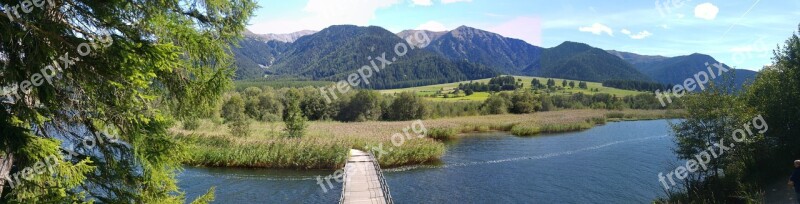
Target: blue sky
{"x": 741, "y": 33}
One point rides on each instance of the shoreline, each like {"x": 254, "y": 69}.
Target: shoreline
{"x": 327, "y": 142}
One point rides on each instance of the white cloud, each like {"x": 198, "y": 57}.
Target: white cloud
{"x": 706, "y": 11}
{"x": 319, "y": 14}
{"x": 422, "y": 2}
{"x": 637, "y": 36}
{"x": 524, "y": 28}
{"x": 432, "y": 26}
{"x": 665, "y": 26}
{"x": 597, "y": 29}
{"x": 454, "y": 1}
{"x": 641, "y": 35}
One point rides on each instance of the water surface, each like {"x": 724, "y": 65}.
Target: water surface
{"x": 613, "y": 163}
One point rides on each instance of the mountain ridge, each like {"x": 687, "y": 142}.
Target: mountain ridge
{"x": 333, "y": 52}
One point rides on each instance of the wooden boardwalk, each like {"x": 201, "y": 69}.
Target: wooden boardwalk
{"x": 363, "y": 180}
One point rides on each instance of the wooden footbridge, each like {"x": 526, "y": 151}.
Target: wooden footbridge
{"x": 364, "y": 181}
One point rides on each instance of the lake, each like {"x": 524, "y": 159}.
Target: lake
{"x": 614, "y": 163}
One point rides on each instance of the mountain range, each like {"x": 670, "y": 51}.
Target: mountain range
{"x": 464, "y": 53}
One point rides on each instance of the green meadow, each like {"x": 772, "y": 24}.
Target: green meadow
{"x": 526, "y": 81}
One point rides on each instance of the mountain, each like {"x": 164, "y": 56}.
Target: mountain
{"x": 635, "y": 59}
{"x": 460, "y": 54}
{"x": 338, "y": 51}
{"x": 287, "y": 38}
{"x": 513, "y": 56}
{"x": 578, "y": 61}
{"x": 412, "y": 36}
{"x": 505, "y": 55}
{"x": 675, "y": 70}
{"x": 254, "y": 55}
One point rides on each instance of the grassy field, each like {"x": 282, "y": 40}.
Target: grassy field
{"x": 326, "y": 143}
{"x": 526, "y": 81}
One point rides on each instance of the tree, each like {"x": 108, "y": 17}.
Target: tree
{"x": 407, "y": 106}
{"x": 364, "y": 106}
{"x": 294, "y": 118}
{"x": 468, "y": 92}
{"x": 233, "y": 111}
{"x": 524, "y": 102}
{"x": 765, "y": 116}
{"x": 551, "y": 83}
{"x": 535, "y": 83}
{"x": 496, "y": 104}
{"x": 582, "y": 85}
{"x": 564, "y": 83}
{"x": 572, "y": 84}
{"x": 143, "y": 64}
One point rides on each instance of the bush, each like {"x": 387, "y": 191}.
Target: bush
{"x": 407, "y": 106}
{"x": 191, "y": 123}
{"x": 240, "y": 128}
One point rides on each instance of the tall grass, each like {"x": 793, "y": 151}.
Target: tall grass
{"x": 528, "y": 130}
{"x": 442, "y": 133}
{"x": 327, "y": 143}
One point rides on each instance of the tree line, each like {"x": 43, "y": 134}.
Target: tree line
{"x": 295, "y": 106}
{"x": 636, "y": 85}
{"x": 496, "y": 84}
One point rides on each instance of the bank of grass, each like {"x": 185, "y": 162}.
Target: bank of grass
{"x": 326, "y": 143}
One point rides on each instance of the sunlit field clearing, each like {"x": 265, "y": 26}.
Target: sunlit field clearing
{"x": 526, "y": 81}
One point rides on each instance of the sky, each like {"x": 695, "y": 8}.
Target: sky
{"x": 740, "y": 33}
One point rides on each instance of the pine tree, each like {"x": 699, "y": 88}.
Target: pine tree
{"x": 142, "y": 65}
{"x": 294, "y": 119}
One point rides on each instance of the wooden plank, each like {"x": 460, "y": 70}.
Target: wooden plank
{"x": 362, "y": 180}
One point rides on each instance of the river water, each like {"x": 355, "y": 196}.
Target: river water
{"x": 614, "y": 163}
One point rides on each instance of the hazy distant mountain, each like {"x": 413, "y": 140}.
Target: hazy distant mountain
{"x": 338, "y": 51}
{"x": 506, "y": 55}
{"x": 571, "y": 60}
{"x": 675, "y": 70}
{"x": 287, "y": 37}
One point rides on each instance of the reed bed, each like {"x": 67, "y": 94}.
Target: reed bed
{"x": 326, "y": 144}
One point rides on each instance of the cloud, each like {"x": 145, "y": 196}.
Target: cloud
{"x": 319, "y": 14}
{"x": 432, "y": 26}
{"x": 528, "y": 29}
{"x": 706, "y": 11}
{"x": 637, "y": 36}
{"x": 665, "y": 26}
{"x": 597, "y": 29}
{"x": 422, "y": 2}
{"x": 454, "y": 1}
{"x": 641, "y": 35}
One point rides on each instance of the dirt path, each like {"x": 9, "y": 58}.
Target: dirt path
{"x": 778, "y": 192}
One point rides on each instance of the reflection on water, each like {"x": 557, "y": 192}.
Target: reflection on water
{"x": 614, "y": 163}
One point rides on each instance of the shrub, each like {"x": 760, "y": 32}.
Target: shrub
{"x": 191, "y": 123}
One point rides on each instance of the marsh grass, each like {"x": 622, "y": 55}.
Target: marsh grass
{"x": 442, "y": 133}
{"x": 327, "y": 143}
